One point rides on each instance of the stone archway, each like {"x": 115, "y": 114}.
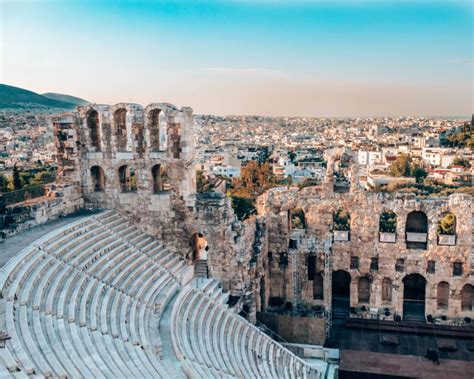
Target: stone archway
{"x": 414, "y": 295}
{"x": 341, "y": 293}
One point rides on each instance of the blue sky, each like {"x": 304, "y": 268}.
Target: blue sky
{"x": 323, "y": 58}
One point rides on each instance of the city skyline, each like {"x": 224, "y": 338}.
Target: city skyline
{"x": 309, "y": 58}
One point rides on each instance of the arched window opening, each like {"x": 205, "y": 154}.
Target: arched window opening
{"x": 120, "y": 120}
{"x": 161, "y": 180}
{"x": 416, "y": 230}
{"x": 98, "y": 179}
{"x": 127, "y": 179}
{"x": 386, "y": 290}
{"x": 297, "y": 219}
{"x": 447, "y": 224}
{"x": 318, "y": 287}
{"x": 363, "y": 288}
{"x": 342, "y": 220}
{"x": 388, "y": 222}
{"x": 341, "y": 225}
{"x": 154, "y": 129}
{"x": 442, "y": 295}
{"x": 93, "y": 127}
{"x": 447, "y": 229}
{"x": 467, "y": 297}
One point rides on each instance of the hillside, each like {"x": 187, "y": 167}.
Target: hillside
{"x": 65, "y": 98}
{"x": 21, "y": 99}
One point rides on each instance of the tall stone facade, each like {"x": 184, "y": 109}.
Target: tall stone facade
{"x": 377, "y": 263}
{"x": 134, "y": 159}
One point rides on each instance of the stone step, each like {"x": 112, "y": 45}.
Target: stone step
{"x": 201, "y": 269}
{"x": 80, "y": 306}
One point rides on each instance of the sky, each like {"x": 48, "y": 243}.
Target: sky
{"x": 323, "y": 58}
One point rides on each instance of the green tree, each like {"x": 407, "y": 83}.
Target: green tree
{"x": 243, "y": 207}
{"x": 461, "y": 162}
{"x": 419, "y": 173}
{"x": 16, "y": 180}
{"x": 3, "y": 183}
{"x": 401, "y": 166}
{"x": 447, "y": 224}
{"x": 461, "y": 138}
{"x": 255, "y": 179}
{"x": 40, "y": 178}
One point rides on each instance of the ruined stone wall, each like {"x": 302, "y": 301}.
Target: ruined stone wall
{"x": 59, "y": 201}
{"x": 234, "y": 246}
{"x": 298, "y": 329}
{"x": 365, "y": 210}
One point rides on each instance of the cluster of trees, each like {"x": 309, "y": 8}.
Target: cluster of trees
{"x": 202, "y": 183}
{"x": 461, "y": 138}
{"x": 461, "y": 162}
{"x": 25, "y": 179}
{"x": 404, "y": 166}
{"x": 426, "y": 189}
{"x": 255, "y": 179}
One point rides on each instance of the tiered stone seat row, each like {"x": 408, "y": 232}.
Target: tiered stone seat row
{"x": 211, "y": 341}
{"x": 78, "y": 302}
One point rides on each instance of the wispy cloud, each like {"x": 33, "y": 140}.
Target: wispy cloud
{"x": 246, "y": 71}
{"x": 468, "y": 61}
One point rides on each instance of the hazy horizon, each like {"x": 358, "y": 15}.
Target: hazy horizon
{"x": 277, "y": 58}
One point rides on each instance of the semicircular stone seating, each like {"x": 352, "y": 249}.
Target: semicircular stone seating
{"x": 211, "y": 341}
{"x": 79, "y": 303}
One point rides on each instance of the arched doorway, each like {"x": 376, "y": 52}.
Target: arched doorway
{"x": 98, "y": 179}
{"x": 414, "y": 290}
{"x": 341, "y": 293}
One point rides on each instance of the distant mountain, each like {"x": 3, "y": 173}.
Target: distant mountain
{"x": 65, "y": 98}
{"x": 23, "y": 100}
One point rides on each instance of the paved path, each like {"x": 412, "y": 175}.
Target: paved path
{"x": 167, "y": 342}
{"x": 361, "y": 364}
{"x": 11, "y": 246}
